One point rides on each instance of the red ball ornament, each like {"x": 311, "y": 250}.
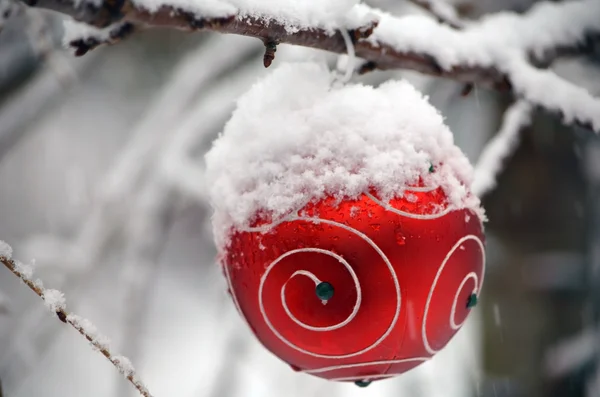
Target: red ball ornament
{"x": 358, "y": 290}
{"x": 351, "y": 257}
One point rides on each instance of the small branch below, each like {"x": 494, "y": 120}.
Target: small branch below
{"x": 55, "y": 301}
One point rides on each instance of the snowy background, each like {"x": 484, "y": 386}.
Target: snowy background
{"x": 101, "y": 185}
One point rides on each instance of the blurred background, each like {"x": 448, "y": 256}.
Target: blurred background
{"x": 101, "y": 186}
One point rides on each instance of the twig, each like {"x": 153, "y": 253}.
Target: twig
{"x": 56, "y": 302}
{"x": 270, "y": 49}
{"x": 112, "y": 35}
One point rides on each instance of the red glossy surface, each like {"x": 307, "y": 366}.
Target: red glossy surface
{"x": 415, "y": 277}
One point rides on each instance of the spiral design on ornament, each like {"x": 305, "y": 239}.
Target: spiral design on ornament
{"x": 316, "y": 280}
{"x": 470, "y": 276}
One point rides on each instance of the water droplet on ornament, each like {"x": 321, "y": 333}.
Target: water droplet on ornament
{"x": 400, "y": 239}
{"x": 335, "y": 238}
{"x": 375, "y": 226}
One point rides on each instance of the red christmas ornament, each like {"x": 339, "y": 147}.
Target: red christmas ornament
{"x": 332, "y": 276}
{"x": 359, "y": 290}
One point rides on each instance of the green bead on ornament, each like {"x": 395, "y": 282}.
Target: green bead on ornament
{"x": 431, "y": 169}
{"x": 362, "y": 383}
{"x": 472, "y": 301}
{"x": 324, "y": 291}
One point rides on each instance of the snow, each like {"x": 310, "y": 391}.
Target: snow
{"x": 204, "y": 8}
{"x": 479, "y": 43}
{"x": 572, "y": 102}
{"x": 54, "y": 300}
{"x": 74, "y": 30}
{"x": 296, "y": 138}
{"x": 5, "y": 250}
{"x": 98, "y": 340}
{"x": 292, "y": 14}
{"x": 25, "y": 271}
{"x": 445, "y": 11}
{"x": 124, "y": 365}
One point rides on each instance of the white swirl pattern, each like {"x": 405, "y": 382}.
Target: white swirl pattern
{"x": 472, "y": 275}
{"x": 314, "y": 278}
{"x": 357, "y": 284}
{"x": 316, "y": 281}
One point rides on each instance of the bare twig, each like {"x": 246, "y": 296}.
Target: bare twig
{"x": 56, "y": 302}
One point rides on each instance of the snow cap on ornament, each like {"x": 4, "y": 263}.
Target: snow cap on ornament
{"x": 345, "y": 224}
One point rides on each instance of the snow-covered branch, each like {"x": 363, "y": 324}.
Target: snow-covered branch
{"x": 516, "y": 117}
{"x": 477, "y": 54}
{"x": 56, "y": 302}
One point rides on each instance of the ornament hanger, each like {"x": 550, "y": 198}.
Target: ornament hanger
{"x": 351, "y": 53}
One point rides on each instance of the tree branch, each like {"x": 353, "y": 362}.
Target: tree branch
{"x": 380, "y": 54}
{"x": 474, "y": 55}
{"x": 56, "y": 302}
